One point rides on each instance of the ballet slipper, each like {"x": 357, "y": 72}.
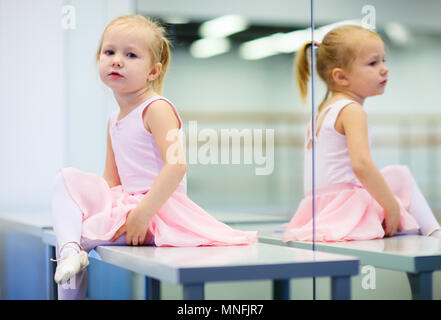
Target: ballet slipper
{"x": 71, "y": 264}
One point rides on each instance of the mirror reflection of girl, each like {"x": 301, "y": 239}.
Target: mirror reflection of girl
{"x": 141, "y": 197}
{"x": 354, "y": 199}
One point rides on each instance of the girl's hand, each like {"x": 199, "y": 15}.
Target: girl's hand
{"x": 135, "y": 228}
{"x": 391, "y": 223}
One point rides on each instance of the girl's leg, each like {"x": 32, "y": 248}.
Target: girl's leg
{"x": 76, "y": 287}
{"x": 67, "y": 218}
{"x": 418, "y": 207}
{"x": 67, "y": 221}
{"x": 420, "y": 210}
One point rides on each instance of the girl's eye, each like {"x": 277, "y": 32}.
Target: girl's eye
{"x": 108, "y": 52}
{"x": 131, "y": 55}
{"x": 373, "y": 63}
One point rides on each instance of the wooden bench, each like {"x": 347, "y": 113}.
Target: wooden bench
{"x": 418, "y": 256}
{"x": 195, "y": 266}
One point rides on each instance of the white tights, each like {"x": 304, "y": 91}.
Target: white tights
{"x": 420, "y": 210}
{"x": 66, "y": 215}
{"x": 67, "y": 221}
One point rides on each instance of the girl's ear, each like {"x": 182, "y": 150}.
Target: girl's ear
{"x": 339, "y": 77}
{"x": 155, "y": 72}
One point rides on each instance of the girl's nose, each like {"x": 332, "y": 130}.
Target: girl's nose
{"x": 385, "y": 70}
{"x": 116, "y": 61}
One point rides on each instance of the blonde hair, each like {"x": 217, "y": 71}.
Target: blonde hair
{"x": 159, "y": 46}
{"x": 338, "y": 49}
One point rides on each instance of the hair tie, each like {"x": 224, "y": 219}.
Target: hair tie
{"x": 317, "y": 44}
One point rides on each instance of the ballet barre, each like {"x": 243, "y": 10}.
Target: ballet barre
{"x": 192, "y": 267}
{"x": 418, "y": 256}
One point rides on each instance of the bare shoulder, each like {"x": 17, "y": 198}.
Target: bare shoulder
{"x": 160, "y": 111}
{"x": 159, "y": 106}
{"x": 352, "y": 111}
{"x": 352, "y": 114}
{"x": 353, "y": 107}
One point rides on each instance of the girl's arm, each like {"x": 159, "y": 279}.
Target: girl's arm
{"x": 352, "y": 122}
{"x": 161, "y": 121}
{"x": 110, "y": 170}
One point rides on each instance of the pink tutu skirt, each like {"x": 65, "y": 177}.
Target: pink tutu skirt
{"x": 348, "y": 212}
{"x": 178, "y": 223}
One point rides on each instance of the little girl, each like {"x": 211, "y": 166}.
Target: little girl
{"x": 141, "y": 197}
{"x": 354, "y": 200}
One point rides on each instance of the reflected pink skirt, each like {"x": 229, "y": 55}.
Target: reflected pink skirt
{"x": 348, "y": 212}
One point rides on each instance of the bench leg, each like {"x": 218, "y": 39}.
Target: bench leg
{"x": 341, "y": 288}
{"x": 193, "y": 291}
{"x": 421, "y": 285}
{"x": 152, "y": 289}
{"x": 281, "y": 289}
{"x": 51, "y": 287}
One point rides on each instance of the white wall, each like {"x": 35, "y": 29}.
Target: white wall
{"x": 54, "y": 109}
{"x": 32, "y": 100}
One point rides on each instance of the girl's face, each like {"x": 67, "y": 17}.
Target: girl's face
{"x": 125, "y": 63}
{"x": 368, "y": 74}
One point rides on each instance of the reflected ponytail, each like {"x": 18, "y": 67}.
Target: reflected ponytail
{"x": 302, "y": 70}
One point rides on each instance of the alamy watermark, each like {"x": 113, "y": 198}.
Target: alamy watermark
{"x": 225, "y": 147}
{"x": 369, "y": 19}
{"x": 368, "y": 281}
{"x": 68, "y": 19}
{"x": 71, "y": 284}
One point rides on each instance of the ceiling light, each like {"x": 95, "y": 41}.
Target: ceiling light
{"x": 223, "y": 26}
{"x": 205, "y": 48}
{"x": 260, "y": 48}
{"x": 176, "y": 20}
{"x": 397, "y": 33}
{"x": 285, "y": 42}
{"x": 292, "y": 41}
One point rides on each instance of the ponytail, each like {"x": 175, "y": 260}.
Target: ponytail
{"x": 164, "y": 59}
{"x": 302, "y": 70}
